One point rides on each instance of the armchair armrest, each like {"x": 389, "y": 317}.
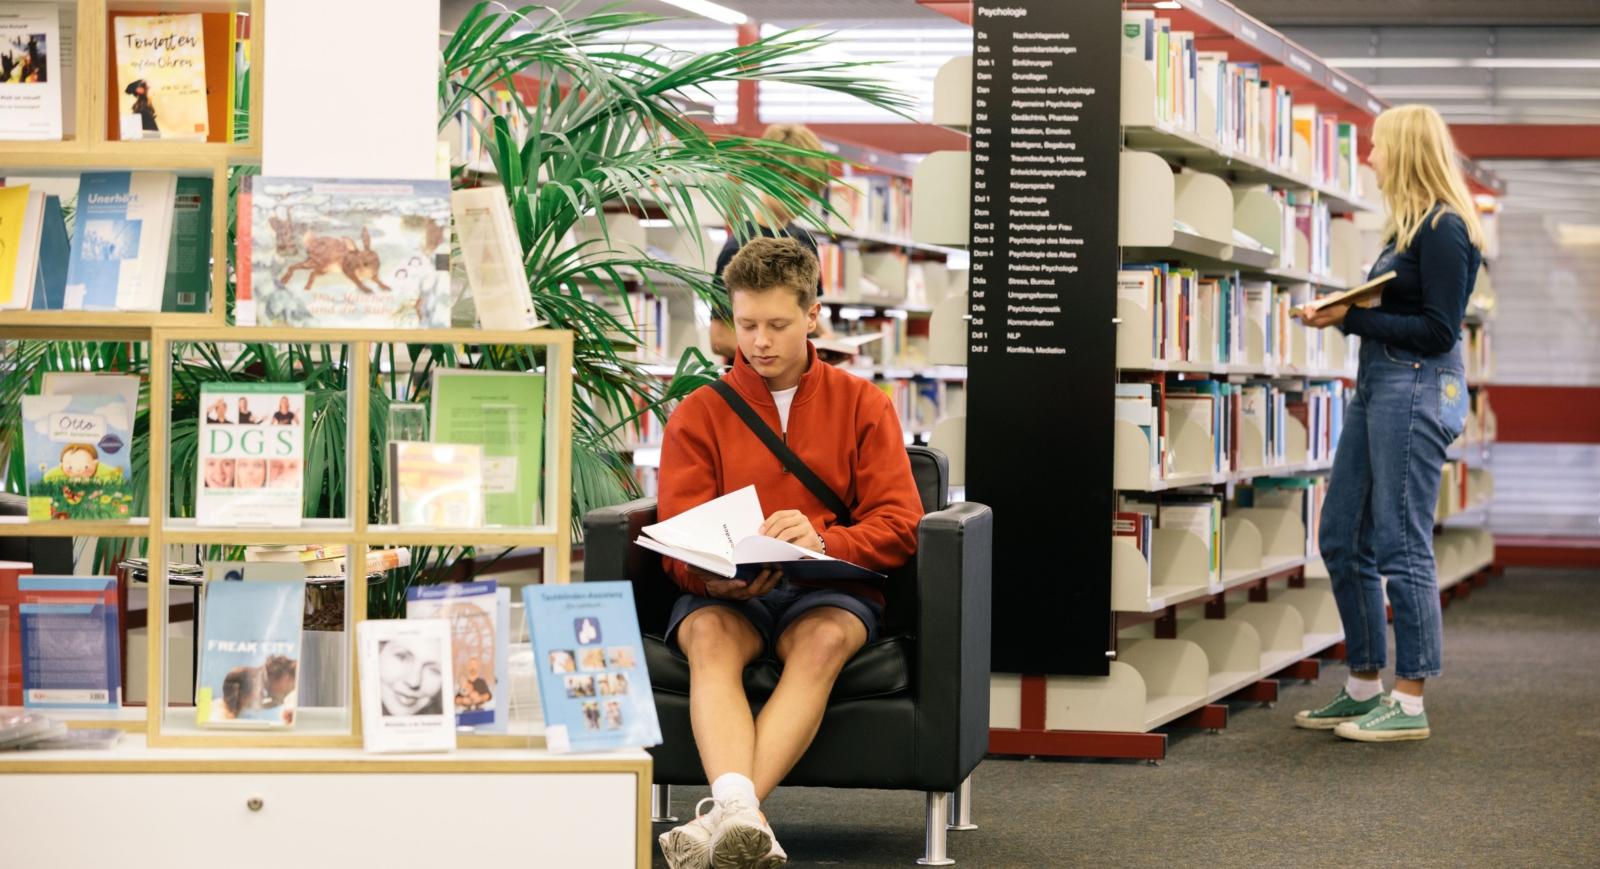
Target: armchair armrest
{"x": 953, "y": 622}
{"x": 609, "y": 553}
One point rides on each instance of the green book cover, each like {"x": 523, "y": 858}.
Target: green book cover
{"x": 503, "y": 412}
{"x": 189, "y": 258}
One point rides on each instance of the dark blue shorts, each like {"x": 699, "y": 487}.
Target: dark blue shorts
{"x": 773, "y": 612}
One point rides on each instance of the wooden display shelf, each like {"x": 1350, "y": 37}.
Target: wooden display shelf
{"x": 129, "y": 153}
{"x": 15, "y": 526}
{"x": 397, "y": 535}
{"x": 102, "y": 325}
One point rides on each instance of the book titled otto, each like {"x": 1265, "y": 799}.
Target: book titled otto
{"x": 330, "y": 253}
{"x": 252, "y": 449}
{"x": 77, "y": 449}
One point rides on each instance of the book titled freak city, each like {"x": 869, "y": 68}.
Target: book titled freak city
{"x": 590, "y": 664}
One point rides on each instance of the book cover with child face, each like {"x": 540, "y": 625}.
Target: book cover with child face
{"x": 78, "y": 453}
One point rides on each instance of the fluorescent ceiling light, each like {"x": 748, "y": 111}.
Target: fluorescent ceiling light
{"x": 707, "y": 9}
{"x": 1169, "y": 4}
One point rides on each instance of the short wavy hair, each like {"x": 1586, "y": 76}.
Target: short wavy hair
{"x": 765, "y": 264}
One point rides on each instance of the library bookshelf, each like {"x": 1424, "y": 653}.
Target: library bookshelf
{"x": 1190, "y": 634}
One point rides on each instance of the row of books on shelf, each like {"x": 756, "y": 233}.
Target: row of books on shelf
{"x": 312, "y": 252}
{"x": 440, "y": 670}
{"x": 1231, "y": 103}
{"x": 1204, "y": 514}
{"x": 1245, "y": 426}
{"x": 1477, "y": 351}
{"x": 143, "y": 242}
{"x": 475, "y": 124}
{"x": 871, "y": 204}
{"x": 1219, "y": 318}
{"x": 920, "y": 403}
{"x": 1462, "y": 487}
{"x": 884, "y": 276}
{"x": 484, "y": 469}
{"x": 182, "y": 77}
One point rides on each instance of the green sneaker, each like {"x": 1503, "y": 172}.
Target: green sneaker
{"x": 1342, "y": 709}
{"x": 1387, "y": 723}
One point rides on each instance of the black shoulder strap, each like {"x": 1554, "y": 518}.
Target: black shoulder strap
{"x": 802, "y": 472}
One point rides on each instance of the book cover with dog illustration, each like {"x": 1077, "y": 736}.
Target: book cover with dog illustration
{"x": 250, "y": 653}
{"x": 332, "y": 253}
{"x": 30, "y": 72}
{"x": 77, "y": 449}
{"x": 161, "y": 77}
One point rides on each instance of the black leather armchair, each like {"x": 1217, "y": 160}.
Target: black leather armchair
{"x": 909, "y": 712}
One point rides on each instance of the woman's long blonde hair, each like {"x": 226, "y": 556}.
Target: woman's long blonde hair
{"x": 1420, "y": 171}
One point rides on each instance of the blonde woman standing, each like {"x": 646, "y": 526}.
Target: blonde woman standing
{"x": 1410, "y": 403}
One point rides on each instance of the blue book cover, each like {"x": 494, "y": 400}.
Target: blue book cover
{"x": 471, "y": 609}
{"x": 55, "y": 249}
{"x": 76, "y": 449}
{"x": 119, "y": 251}
{"x": 70, "y": 655}
{"x": 250, "y": 653}
{"x": 590, "y": 660}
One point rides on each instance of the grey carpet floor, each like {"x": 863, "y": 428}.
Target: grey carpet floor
{"x": 1511, "y": 776}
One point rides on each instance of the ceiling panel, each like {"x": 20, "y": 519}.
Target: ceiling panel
{"x": 1430, "y": 12}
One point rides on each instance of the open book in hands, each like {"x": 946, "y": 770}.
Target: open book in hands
{"x": 723, "y": 536}
{"x": 1364, "y": 296}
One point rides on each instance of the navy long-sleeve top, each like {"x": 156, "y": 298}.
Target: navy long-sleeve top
{"x": 1423, "y": 305}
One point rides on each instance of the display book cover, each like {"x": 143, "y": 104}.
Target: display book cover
{"x": 30, "y": 74}
{"x": 344, "y": 253}
{"x": 479, "y": 646}
{"x": 251, "y": 454}
{"x": 503, "y": 412}
{"x": 492, "y": 252}
{"x": 250, "y": 653}
{"x": 723, "y": 536}
{"x": 77, "y": 450}
{"x": 405, "y": 671}
{"x": 589, "y": 657}
{"x": 188, "y": 280}
{"x": 70, "y": 655}
{"x": 161, "y": 77}
{"x": 435, "y": 485}
{"x": 119, "y": 252}
{"x": 20, "y": 213}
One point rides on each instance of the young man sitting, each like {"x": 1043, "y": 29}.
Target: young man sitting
{"x": 847, "y": 432}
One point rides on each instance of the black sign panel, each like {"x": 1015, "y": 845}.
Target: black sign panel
{"x": 1041, "y": 366}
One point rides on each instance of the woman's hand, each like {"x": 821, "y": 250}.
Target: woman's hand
{"x": 792, "y": 526}
{"x": 1332, "y": 315}
{"x": 723, "y": 588}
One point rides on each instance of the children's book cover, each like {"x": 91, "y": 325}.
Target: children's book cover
{"x": 331, "y": 253}
{"x": 589, "y": 657}
{"x": 161, "y": 77}
{"x": 78, "y": 452}
{"x": 252, "y": 451}
{"x": 250, "y": 653}
{"x": 470, "y": 609}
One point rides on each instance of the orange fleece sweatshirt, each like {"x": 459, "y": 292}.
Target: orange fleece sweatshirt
{"x": 843, "y": 427}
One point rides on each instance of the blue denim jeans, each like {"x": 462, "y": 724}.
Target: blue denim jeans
{"x": 1377, "y": 518}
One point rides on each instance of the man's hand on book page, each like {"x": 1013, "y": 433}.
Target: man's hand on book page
{"x": 1332, "y": 315}
{"x": 738, "y": 589}
{"x": 792, "y": 526}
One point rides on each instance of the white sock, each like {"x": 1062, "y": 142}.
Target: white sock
{"x": 1362, "y": 690}
{"x": 731, "y": 785}
{"x": 1410, "y": 704}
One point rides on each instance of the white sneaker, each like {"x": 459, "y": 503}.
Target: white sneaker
{"x": 776, "y": 857}
{"x": 688, "y": 846}
{"x": 743, "y": 840}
